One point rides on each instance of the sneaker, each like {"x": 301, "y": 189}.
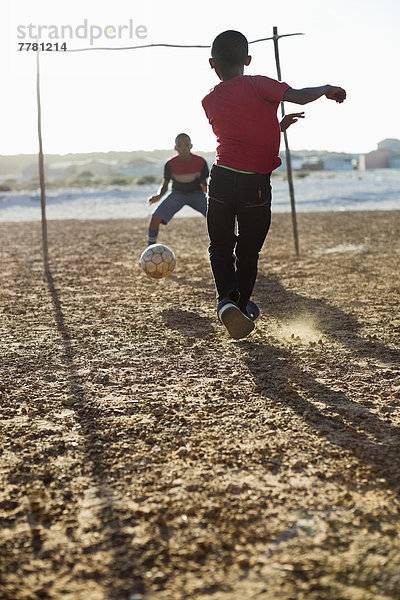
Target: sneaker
{"x": 237, "y": 324}
{"x": 252, "y": 310}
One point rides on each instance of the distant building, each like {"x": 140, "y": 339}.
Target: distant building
{"x": 377, "y": 159}
{"x": 390, "y": 144}
{"x": 340, "y": 163}
{"x": 314, "y": 163}
{"x": 387, "y": 156}
{"x": 394, "y": 161}
{"x": 320, "y": 161}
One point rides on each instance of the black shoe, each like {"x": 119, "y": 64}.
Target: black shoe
{"x": 252, "y": 310}
{"x": 237, "y": 324}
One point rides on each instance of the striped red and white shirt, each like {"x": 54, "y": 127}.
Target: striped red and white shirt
{"x": 186, "y": 174}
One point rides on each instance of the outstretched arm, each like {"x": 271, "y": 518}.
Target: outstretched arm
{"x": 288, "y": 120}
{"x": 306, "y": 95}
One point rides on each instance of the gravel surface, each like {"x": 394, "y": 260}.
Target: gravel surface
{"x": 147, "y": 456}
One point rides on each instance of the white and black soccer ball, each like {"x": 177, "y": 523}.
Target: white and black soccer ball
{"x": 157, "y": 261}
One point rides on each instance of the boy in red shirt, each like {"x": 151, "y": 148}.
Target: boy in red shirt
{"x": 242, "y": 111}
{"x": 189, "y": 174}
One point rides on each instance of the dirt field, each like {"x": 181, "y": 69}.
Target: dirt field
{"x": 146, "y": 456}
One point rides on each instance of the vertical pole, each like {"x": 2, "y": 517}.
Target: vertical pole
{"x": 41, "y": 166}
{"x": 287, "y": 151}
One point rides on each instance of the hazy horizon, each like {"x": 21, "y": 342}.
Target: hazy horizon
{"x": 172, "y": 151}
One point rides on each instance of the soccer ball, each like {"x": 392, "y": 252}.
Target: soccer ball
{"x": 157, "y": 261}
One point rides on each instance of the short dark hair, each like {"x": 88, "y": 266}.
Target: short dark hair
{"x": 183, "y": 135}
{"x": 230, "y": 48}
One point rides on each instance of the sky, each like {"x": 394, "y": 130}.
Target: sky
{"x": 140, "y": 99}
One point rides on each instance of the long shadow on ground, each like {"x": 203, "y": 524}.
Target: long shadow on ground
{"x": 375, "y": 442}
{"x": 353, "y": 427}
{"x": 121, "y": 577}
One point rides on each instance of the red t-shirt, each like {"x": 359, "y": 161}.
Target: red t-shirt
{"x": 243, "y": 114}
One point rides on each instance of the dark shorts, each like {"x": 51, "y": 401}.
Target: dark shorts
{"x": 176, "y": 200}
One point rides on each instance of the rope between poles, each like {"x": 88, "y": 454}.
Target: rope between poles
{"x": 172, "y": 45}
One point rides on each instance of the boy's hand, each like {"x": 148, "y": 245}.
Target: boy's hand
{"x": 335, "y": 93}
{"x": 288, "y": 120}
{"x": 154, "y": 199}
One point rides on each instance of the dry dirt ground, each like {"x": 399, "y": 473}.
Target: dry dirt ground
{"x": 146, "y": 456}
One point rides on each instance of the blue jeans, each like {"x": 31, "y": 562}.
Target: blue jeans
{"x": 244, "y": 199}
